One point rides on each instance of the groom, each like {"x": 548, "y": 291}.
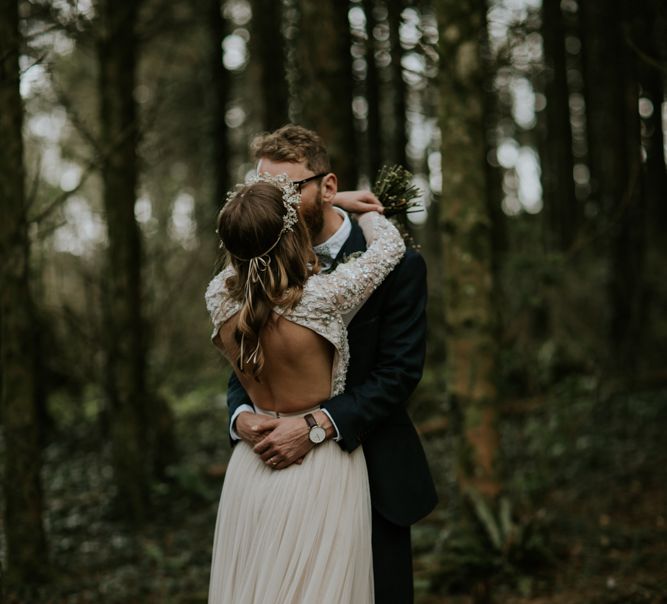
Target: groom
{"x": 387, "y": 342}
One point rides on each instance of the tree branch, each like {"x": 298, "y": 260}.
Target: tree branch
{"x": 74, "y": 117}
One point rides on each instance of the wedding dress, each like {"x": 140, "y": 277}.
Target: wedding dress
{"x": 302, "y": 535}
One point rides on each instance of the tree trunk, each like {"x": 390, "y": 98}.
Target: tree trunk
{"x": 399, "y": 139}
{"x": 27, "y": 556}
{"x": 651, "y": 43}
{"x": 268, "y": 52}
{"x": 125, "y": 339}
{"x": 430, "y": 240}
{"x": 469, "y": 281}
{"x": 560, "y": 204}
{"x": 325, "y": 82}
{"x": 220, "y": 84}
{"x": 629, "y": 238}
{"x": 373, "y": 131}
{"x": 650, "y": 39}
{"x": 604, "y": 103}
{"x": 614, "y": 143}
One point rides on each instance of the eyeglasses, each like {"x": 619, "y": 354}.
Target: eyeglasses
{"x": 299, "y": 183}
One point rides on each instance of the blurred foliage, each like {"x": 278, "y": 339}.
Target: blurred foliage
{"x": 582, "y": 519}
{"x": 583, "y": 516}
{"x": 96, "y": 557}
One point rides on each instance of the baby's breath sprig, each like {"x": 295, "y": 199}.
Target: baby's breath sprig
{"x": 393, "y": 187}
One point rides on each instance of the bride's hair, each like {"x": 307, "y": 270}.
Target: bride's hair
{"x": 249, "y": 224}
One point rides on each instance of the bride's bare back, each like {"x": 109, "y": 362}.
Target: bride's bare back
{"x": 297, "y": 366}
{"x": 300, "y": 367}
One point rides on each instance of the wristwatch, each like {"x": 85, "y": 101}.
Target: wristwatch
{"x": 317, "y": 433}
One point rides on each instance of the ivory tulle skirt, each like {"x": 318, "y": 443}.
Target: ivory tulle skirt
{"x": 301, "y": 535}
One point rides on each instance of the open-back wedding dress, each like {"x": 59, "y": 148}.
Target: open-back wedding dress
{"x": 302, "y": 535}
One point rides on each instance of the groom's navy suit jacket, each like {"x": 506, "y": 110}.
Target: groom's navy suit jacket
{"x": 387, "y": 345}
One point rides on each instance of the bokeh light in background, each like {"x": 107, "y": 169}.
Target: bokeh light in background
{"x": 521, "y": 182}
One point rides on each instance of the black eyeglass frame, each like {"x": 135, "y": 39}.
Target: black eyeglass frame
{"x": 299, "y": 183}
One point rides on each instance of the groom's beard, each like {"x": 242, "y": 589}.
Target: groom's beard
{"x": 313, "y": 216}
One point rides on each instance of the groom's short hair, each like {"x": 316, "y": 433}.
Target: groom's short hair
{"x": 293, "y": 143}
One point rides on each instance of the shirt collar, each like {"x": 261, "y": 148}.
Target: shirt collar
{"x": 332, "y": 246}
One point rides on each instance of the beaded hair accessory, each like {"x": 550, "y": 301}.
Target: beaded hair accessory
{"x": 291, "y": 201}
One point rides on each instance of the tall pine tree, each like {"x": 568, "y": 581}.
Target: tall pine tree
{"x": 616, "y": 171}
{"x": 324, "y": 81}
{"x": 268, "y": 53}
{"x": 560, "y": 204}
{"x": 125, "y": 334}
{"x": 27, "y": 557}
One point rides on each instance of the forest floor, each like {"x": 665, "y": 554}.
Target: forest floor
{"x": 585, "y": 520}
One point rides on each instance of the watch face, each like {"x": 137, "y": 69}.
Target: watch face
{"x": 317, "y": 434}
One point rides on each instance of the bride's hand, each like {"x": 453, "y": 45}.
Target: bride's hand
{"x": 358, "y": 202}
{"x": 287, "y": 443}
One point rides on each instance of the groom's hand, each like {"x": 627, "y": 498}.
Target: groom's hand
{"x": 286, "y": 444}
{"x": 252, "y": 427}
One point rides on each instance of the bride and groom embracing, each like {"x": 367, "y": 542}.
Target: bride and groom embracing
{"x": 323, "y": 320}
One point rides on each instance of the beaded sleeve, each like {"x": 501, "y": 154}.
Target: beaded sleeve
{"x": 352, "y": 282}
{"x": 219, "y": 303}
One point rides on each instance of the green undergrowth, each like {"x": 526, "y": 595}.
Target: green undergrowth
{"x": 582, "y": 518}
{"x": 583, "y": 513}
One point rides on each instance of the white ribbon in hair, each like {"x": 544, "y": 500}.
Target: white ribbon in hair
{"x": 256, "y": 266}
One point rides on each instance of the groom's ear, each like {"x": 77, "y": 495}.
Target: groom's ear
{"x": 329, "y": 187}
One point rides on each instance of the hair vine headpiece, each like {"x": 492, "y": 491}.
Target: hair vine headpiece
{"x": 291, "y": 196}
{"x": 291, "y": 201}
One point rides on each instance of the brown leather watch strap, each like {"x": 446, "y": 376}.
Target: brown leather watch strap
{"x": 310, "y": 420}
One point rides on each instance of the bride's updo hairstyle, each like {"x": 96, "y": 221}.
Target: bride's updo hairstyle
{"x": 271, "y": 252}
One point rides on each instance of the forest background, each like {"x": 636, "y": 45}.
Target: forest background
{"x": 536, "y": 132}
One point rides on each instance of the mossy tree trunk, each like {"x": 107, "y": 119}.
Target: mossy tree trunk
{"x": 26, "y": 548}
{"x": 324, "y": 82}
{"x": 125, "y": 334}
{"x": 470, "y": 318}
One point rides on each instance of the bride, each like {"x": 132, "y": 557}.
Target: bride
{"x": 300, "y": 534}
